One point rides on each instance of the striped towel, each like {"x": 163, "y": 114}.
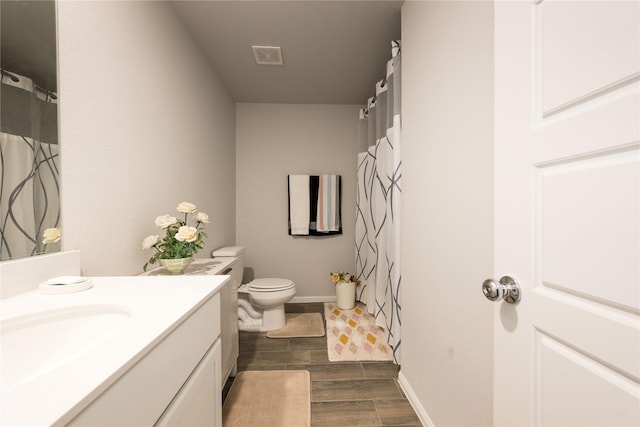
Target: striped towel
{"x": 328, "y": 213}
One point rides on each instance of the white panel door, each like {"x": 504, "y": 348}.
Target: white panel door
{"x": 567, "y": 205}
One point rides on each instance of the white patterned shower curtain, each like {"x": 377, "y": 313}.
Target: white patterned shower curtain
{"x": 378, "y": 204}
{"x": 29, "y": 167}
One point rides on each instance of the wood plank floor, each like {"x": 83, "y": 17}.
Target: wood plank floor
{"x": 342, "y": 393}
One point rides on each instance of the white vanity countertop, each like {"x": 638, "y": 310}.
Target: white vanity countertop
{"x": 215, "y": 265}
{"x": 147, "y": 309}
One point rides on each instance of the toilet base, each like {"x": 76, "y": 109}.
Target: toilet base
{"x": 273, "y": 318}
{"x": 251, "y": 319}
{"x": 262, "y": 311}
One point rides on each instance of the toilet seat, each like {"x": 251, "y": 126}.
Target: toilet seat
{"x": 270, "y": 285}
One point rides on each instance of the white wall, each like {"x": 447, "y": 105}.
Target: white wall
{"x": 447, "y": 235}
{"x": 145, "y": 124}
{"x": 273, "y": 141}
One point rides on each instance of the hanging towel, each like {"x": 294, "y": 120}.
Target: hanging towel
{"x": 328, "y": 211}
{"x": 299, "y": 205}
{"x": 314, "y": 205}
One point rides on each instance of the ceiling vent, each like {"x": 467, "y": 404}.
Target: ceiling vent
{"x": 268, "y": 55}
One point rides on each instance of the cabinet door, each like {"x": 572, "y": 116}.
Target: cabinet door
{"x": 229, "y": 328}
{"x": 199, "y": 401}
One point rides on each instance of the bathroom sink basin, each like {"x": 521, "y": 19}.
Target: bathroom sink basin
{"x": 60, "y": 353}
{"x": 38, "y": 343}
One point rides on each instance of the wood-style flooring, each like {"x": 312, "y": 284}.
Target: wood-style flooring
{"x": 342, "y": 393}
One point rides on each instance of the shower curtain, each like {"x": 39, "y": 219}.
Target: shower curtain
{"x": 29, "y": 167}
{"x": 378, "y": 204}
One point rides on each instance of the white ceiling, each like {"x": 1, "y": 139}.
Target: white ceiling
{"x": 334, "y": 51}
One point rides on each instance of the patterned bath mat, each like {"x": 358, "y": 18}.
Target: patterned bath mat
{"x": 354, "y": 335}
{"x": 300, "y": 325}
{"x": 252, "y": 401}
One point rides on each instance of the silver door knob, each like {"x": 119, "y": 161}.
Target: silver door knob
{"x": 507, "y": 288}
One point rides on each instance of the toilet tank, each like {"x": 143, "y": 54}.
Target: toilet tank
{"x": 238, "y": 266}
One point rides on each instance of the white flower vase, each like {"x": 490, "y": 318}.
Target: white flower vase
{"x": 175, "y": 265}
{"x": 346, "y": 295}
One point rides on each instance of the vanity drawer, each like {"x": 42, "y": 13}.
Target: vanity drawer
{"x": 141, "y": 394}
{"x": 199, "y": 402}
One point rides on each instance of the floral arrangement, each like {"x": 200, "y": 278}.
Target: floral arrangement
{"x": 342, "y": 277}
{"x": 180, "y": 240}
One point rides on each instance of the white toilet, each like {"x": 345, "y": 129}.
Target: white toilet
{"x": 261, "y": 301}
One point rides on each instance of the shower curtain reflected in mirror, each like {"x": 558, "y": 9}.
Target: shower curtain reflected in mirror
{"x": 29, "y": 167}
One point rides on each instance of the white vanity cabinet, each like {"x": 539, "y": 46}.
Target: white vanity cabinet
{"x": 128, "y": 351}
{"x": 228, "y": 307}
{"x": 229, "y": 332}
{"x": 177, "y": 383}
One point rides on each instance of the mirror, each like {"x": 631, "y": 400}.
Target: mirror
{"x": 29, "y": 156}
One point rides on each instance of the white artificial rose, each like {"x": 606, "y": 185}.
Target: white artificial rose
{"x": 149, "y": 241}
{"x": 202, "y": 217}
{"x": 51, "y": 235}
{"x": 164, "y": 221}
{"x": 187, "y": 234}
{"x": 186, "y": 207}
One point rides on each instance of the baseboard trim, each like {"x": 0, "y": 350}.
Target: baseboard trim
{"x": 414, "y": 401}
{"x": 329, "y": 298}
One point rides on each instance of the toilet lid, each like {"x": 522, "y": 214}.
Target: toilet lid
{"x": 268, "y": 285}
